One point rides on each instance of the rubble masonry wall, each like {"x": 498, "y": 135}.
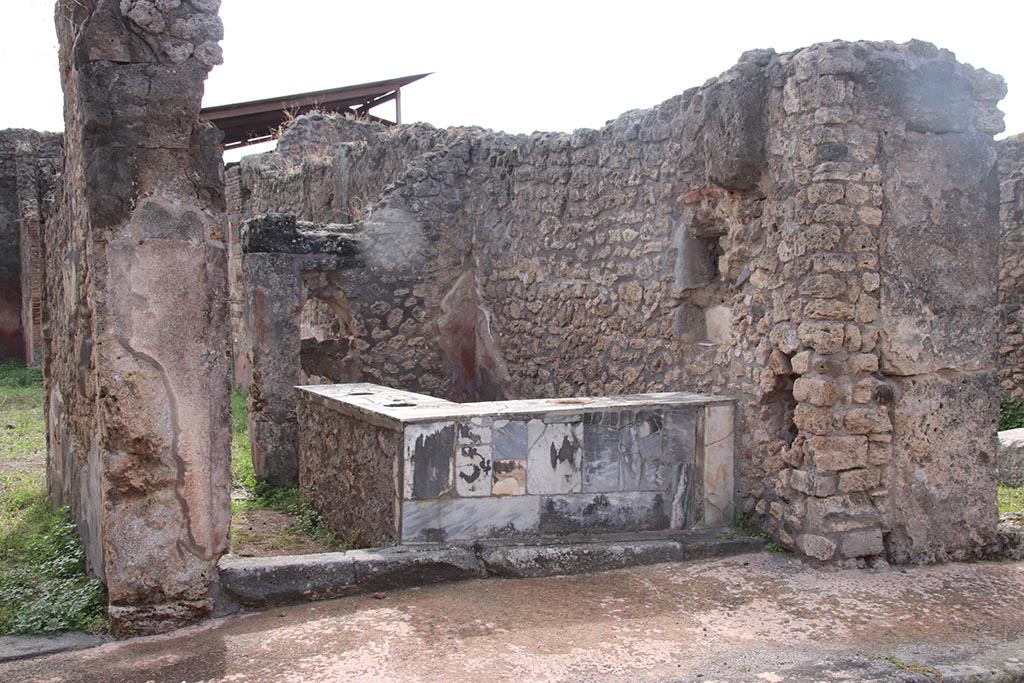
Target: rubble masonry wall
{"x": 1011, "y": 266}
{"x": 28, "y": 163}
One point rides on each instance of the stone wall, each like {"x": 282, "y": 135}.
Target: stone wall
{"x": 810, "y": 232}
{"x": 1011, "y": 266}
{"x": 28, "y": 163}
{"x": 136, "y": 367}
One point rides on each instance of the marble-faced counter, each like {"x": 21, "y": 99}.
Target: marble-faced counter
{"x": 386, "y": 466}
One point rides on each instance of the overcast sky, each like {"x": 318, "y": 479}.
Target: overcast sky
{"x": 519, "y": 66}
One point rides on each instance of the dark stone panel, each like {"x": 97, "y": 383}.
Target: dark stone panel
{"x": 432, "y": 463}
{"x": 640, "y": 445}
{"x": 630, "y": 511}
{"x": 601, "y": 451}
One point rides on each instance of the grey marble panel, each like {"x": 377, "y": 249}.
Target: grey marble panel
{"x": 601, "y": 452}
{"x": 680, "y": 444}
{"x": 641, "y": 445}
{"x": 492, "y": 517}
{"x": 556, "y": 451}
{"x": 421, "y": 521}
{"x": 509, "y": 440}
{"x": 623, "y": 511}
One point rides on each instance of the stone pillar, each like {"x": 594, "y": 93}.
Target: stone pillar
{"x": 884, "y": 194}
{"x": 278, "y": 256}
{"x": 137, "y": 362}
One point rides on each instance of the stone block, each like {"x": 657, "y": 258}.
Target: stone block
{"x": 1010, "y": 457}
{"x": 469, "y": 518}
{"x": 840, "y": 514}
{"x": 641, "y": 464}
{"x": 818, "y": 484}
{"x": 718, "y": 324}
{"x": 834, "y": 453}
{"x": 735, "y": 134}
{"x": 815, "y": 546}
{"x": 811, "y": 419}
{"x": 820, "y": 392}
{"x": 862, "y": 543}
{"x": 868, "y": 420}
{"x": 509, "y": 440}
{"x": 824, "y": 337}
{"x": 859, "y": 480}
{"x": 801, "y": 362}
{"x": 473, "y": 464}
{"x": 939, "y": 278}
{"x": 943, "y": 454}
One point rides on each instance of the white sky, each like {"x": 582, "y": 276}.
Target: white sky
{"x": 519, "y": 66}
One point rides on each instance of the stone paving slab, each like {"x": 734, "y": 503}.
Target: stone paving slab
{"x": 753, "y": 618}
{"x": 24, "y": 647}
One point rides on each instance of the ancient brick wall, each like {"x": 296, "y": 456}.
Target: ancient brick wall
{"x": 1011, "y": 266}
{"x": 137, "y": 374}
{"x": 808, "y": 233}
{"x": 28, "y": 162}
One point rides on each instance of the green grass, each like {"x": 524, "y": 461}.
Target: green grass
{"x": 1010, "y": 499}
{"x": 262, "y": 496}
{"x": 43, "y": 584}
{"x": 22, "y": 426}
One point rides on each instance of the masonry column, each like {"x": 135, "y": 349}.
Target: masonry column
{"x": 136, "y": 304}
{"x": 886, "y": 191}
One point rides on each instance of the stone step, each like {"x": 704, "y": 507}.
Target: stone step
{"x": 265, "y": 581}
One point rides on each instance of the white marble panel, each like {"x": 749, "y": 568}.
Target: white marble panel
{"x": 556, "y": 452}
{"x": 719, "y": 463}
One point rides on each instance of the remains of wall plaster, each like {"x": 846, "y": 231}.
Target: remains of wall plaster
{"x": 1011, "y": 266}
{"x": 809, "y": 232}
{"x": 138, "y": 406}
{"x": 28, "y": 163}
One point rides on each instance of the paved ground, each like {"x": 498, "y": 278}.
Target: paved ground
{"x": 759, "y": 617}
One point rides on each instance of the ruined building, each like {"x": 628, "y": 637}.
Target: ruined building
{"x": 807, "y": 233}
{"x": 813, "y": 236}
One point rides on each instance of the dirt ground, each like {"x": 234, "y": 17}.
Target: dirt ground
{"x": 266, "y": 533}
{"x": 758, "y": 617}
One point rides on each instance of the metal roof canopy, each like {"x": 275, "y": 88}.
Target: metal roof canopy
{"x": 247, "y": 123}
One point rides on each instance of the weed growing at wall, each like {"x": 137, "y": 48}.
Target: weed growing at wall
{"x": 1011, "y": 414}
{"x": 43, "y": 584}
{"x": 252, "y": 495}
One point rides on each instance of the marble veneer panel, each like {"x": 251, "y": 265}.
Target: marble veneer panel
{"x": 718, "y": 465}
